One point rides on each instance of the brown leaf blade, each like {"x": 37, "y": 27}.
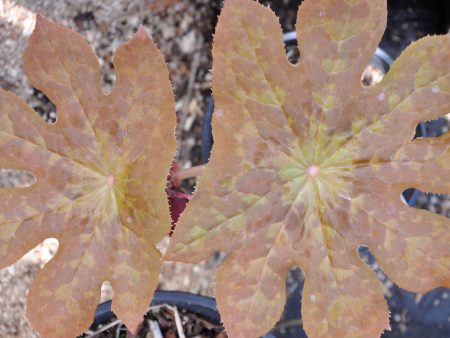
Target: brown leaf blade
{"x": 308, "y": 165}
{"x": 101, "y": 175}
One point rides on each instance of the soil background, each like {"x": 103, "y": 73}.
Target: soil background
{"x": 183, "y": 30}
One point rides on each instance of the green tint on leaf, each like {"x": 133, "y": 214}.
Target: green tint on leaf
{"x": 101, "y": 176}
{"x": 308, "y": 165}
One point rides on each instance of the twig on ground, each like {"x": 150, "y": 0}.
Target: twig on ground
{"x": 118, "y": 330}
{"x": 178, "y": 322}
{"x": 182, "y": 174}
{"x": 160, "y": 5}
{"x": 104, "y": 328}
{"x": 155, "y": 329}
{"x": 195, "y": 65}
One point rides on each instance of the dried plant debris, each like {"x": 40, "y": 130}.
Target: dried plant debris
{"x": 163, "y": 321}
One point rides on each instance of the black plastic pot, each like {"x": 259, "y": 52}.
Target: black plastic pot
{"x": 202, "y": 306}
{"x": 409, "y": 20}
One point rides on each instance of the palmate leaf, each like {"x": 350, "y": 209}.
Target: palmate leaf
{"x": 308, "y": 165}
{"x": 100, "y": 178}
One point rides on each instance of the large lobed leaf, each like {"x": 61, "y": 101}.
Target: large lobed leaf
{"x": 308, "y": 165}
{"x": 100, "y": 178}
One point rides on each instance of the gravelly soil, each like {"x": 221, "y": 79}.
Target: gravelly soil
{"x": 183, "y": 31}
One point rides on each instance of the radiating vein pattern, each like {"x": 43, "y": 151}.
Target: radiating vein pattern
{"x": 308, "y": 164}
{"x": 100, "y": 173}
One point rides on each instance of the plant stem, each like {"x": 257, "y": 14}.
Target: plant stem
{"x": 183, "y": 174}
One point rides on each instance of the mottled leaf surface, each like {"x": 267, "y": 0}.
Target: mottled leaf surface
{"x": 100, "y": 178}
{"x": 308, "y": 165}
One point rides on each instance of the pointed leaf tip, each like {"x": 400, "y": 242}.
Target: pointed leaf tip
{"x": 42, "y": 21}
{"x": 141, "y": 36}
{"x": 142, "y": 29}
{"x": 142, "y": 32}
{"x": 40, "y": 18}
